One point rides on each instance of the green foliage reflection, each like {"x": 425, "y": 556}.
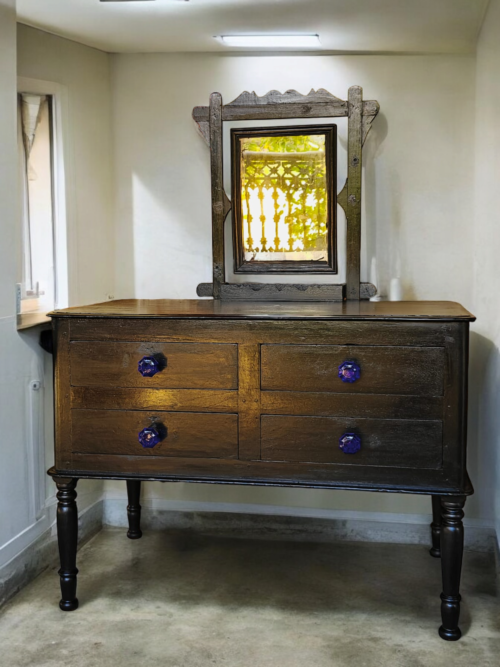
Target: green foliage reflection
{"x": 284, "y": 196}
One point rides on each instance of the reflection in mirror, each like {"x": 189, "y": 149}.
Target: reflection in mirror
{"x": 283, "y": 195}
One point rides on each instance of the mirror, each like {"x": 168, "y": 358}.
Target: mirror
{"x": 284, "y": 201}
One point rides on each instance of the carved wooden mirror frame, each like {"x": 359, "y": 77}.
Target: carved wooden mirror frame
{"x": 276, "y": 105}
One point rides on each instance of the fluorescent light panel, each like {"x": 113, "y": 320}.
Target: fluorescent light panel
{"x": 271, "y": 41}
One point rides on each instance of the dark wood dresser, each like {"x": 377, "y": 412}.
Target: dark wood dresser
{"x": 356, "y": 395}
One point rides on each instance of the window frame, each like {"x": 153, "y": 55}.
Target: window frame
{"x": 58, "y": 118}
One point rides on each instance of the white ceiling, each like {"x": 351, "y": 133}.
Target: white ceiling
{"x": 401, "y": 26}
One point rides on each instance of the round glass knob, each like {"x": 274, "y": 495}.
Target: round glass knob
{"x": 349, "y": 371}
{"x": 149, "y": 437}
{"x": 350, "y": 443}
{"x": 148, "y": 366}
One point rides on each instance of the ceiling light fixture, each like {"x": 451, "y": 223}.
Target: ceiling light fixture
{"x": 271, "y": 41}
{"x": 134, "y": 0}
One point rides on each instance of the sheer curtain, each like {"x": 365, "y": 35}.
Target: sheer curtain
{"x": 35, "y": 160}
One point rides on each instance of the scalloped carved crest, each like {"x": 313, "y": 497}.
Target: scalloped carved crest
{"x": 290, "y": 96}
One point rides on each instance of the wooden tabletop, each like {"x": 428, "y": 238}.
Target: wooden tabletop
{"x": 208, "y": 308}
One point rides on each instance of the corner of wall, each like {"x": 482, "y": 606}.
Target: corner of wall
{"x": 43, "y": 551}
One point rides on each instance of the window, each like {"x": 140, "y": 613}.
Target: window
{"x": 36, "y": 155}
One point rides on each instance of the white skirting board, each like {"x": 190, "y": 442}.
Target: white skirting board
{"x": 42, "y": 552}
{"x": 292, "y": 523}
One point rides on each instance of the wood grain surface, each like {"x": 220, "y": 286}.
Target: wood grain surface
{"x": 212, "y": 309}
{"x": 218, "y": 194}
{"x": 189, "y": 434}
{"x": 188, "y": 365}
{"x": 435, "y": 332}
{"x": 384, "y": 370}
{"x": 326, "y": 332}
{"x": 249, "y": 401}
{"x": 267, "y": 473}
{"x": 177, "y": 400}
{"x": 382, "y": 406}
{"x": 353, "y": 211}
{"x": 391, "y": 442}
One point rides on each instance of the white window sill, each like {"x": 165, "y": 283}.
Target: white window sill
{"x": 28, "y": 320}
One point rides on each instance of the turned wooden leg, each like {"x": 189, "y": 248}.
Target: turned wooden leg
{"x": 134, "y": 509}
{"x": 67, "y": 536}
{"x": 452, "y": 547}
{"x": 436, "y": 527}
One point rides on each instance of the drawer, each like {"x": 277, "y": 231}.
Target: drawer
{"x": 181, "y": 365}
{"x": 186, "y": 434}
{"x": 383, "y": 370}
{"x": 384, "y": 442}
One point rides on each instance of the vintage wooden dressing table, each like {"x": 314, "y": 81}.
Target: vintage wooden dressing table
{"x": 270, "y": 384}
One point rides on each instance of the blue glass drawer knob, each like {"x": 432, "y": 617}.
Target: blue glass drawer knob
{"x": 350, "y": 443}
{"x": 151, "y": 436}
{"x": 148, "y": 366}
{"x": 349, "y": 371}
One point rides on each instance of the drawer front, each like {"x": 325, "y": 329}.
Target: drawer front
{"x": 186, "y": 435}
{"x": 382, "y": 370}
{"x": 384, "y": 442}
{"x": 181, "y": 365}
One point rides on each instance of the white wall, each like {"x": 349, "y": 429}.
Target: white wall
{"x": 419, "y": 206}
{"x": 12, "y": 352}
{"x": 22, "y": 516}
{"x": 83, "y": 77}
{"x": 419, "y": 187}
{"x": 8, "y": 154}
{"x": 26, "y": 446}
{"x": 83, "y": 74}
{"x": 486, "y": 361}
{"x": 21, "y": 360}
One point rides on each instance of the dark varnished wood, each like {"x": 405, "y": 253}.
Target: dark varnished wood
{"x": 291, "y": 104}
{"x": 452, "y": 546}
{"x": 174, "y": 400}
{"x": 189, "y": 434}
{"x": 455, "y": 405}
{"x": 319, "y": 332}
{"x": 186, "y": 365}
{"x": 399, "y": 480}
{"x": 249, "y": 396}
{"x": 264, "y": 406}
{"x": 353, "y": 212}
{"x": 134, "y": 509}
{"x": 436, "y": 527}
{"x": 67, "y": 533}
{"x": 418, "y": 341}
{"x": 376, "y": 406}
{"x": 444, "y": 311}
{"x": 218, "y": 194}
{"x": 283, "y": 291}
{"x": 389, "y": 443}
{"x": 384, "y": 370}
{"x": 62, "y": 395}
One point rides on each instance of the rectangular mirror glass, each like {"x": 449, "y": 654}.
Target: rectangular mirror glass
{"x": 283, "y": 190}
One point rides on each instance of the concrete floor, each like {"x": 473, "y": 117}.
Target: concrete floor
{"x": 184, "y": 600}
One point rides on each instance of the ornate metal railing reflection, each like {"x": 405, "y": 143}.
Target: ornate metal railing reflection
{"x": 284, "y": 200}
